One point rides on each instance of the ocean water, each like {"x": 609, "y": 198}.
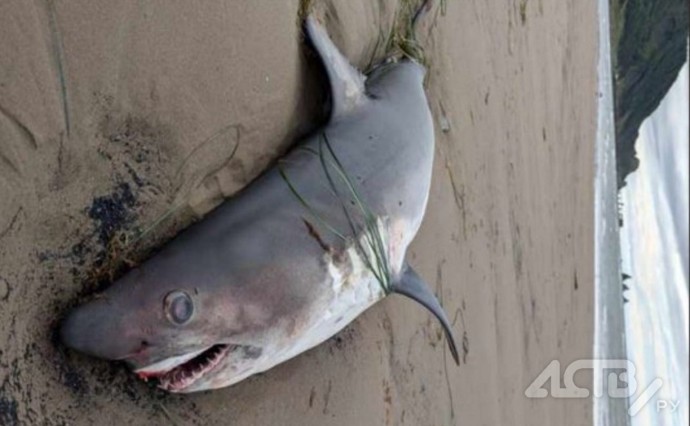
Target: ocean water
{"x": 609, "y": 322}
{"x": 654, "y": 250}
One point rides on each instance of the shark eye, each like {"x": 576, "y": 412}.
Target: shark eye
{"x": 179, "y": 307}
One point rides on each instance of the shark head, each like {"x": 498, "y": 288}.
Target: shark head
{"x": 182, "y": 329}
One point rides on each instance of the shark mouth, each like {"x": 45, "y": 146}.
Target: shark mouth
{"x": 177, "y": 373}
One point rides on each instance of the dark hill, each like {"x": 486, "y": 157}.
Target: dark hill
{"x": 649, "y": 43}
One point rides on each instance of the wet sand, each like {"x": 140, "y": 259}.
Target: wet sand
{"x": 112, "y": 114}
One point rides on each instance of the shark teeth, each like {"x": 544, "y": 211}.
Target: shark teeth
{"x": 189, "y": 372}
{"x": 162, "y": 367}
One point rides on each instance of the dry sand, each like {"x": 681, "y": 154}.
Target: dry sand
{"x": 101, "y": 105}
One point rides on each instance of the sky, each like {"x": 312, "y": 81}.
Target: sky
{"x": 654, "y": 248}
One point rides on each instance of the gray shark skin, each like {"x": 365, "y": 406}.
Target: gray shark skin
{"x": 289, "y": 261}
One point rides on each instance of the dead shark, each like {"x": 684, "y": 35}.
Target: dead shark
{"x": 294, "y": 257}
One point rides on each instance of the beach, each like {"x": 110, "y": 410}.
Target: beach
{"x": 115, "y": 115}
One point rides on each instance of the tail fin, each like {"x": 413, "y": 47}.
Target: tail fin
{"x": 347, "y": 83}
{"x": 412, "y": 286}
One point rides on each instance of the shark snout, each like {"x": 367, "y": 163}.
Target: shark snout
{"x": 95, "y": 329}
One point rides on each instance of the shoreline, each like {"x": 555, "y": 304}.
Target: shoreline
{"x": 609, "y": 332}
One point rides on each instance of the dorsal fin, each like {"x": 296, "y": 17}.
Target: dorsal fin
{"x": 411, "y": 285}
{"x": 347, "y": 83}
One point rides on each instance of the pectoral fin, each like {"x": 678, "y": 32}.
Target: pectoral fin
{"x": 411, "y": 285}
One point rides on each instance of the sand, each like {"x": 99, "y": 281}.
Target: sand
{"x": 112, "y": 114}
